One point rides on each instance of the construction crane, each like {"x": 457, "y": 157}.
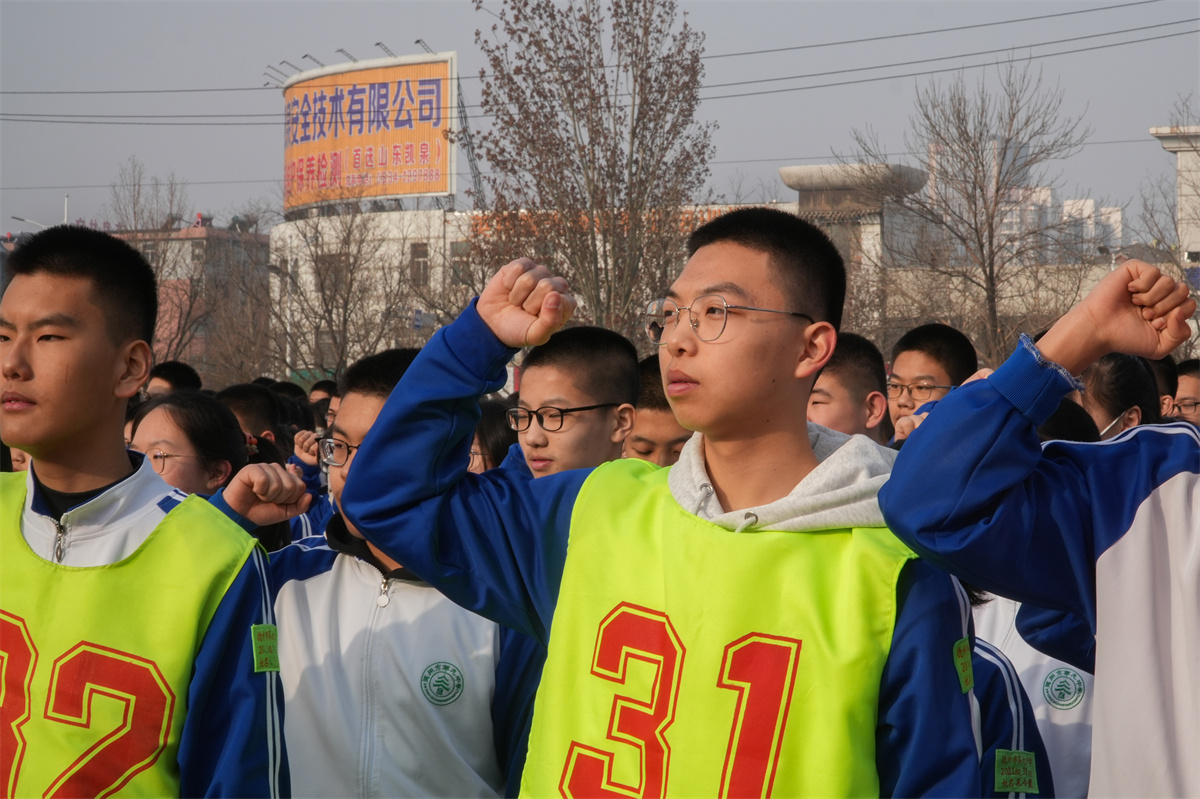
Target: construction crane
{"x": 465, "y": 138}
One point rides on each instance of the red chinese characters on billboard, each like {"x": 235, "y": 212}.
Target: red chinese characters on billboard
{"x": 371, "y": 129}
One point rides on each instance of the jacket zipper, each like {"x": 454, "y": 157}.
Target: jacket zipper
{"x": 383, "y": 599}
{"x": 60, "y": 541}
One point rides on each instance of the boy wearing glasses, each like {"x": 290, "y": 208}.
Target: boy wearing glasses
{"x": 388, "y": 685}
{"x": 927, "y": 362}
{"x": 135, "y": 633}
{"x": 576, "y": 403}
{"x": 1187, "y": 394}
{"x": 740, "y": 623}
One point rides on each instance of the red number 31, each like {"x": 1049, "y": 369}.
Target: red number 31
{"x": 78, "y": 675}
{"x": 760, "y": 668}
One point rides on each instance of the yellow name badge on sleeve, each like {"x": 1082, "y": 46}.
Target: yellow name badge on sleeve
{"x": 962, "y": 664}
{"x": 265, "y": 638}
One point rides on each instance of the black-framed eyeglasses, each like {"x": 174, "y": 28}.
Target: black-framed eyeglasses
{"x": 1187, "y": 406}
{"x": 550, "y": 418}
{"x": 334, "y": 451}
{"x": 159, "y": 458}
{"x": 707, "y": 316}
{"x": 918, "y": 391}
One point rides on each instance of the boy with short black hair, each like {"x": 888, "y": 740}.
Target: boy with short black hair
{"x": 1166, "y": 377}
{"x": 256, "y": 408}
{"x": 387, "y": 682}
{"x": 171, "y": 376}
{"x": 850, "y": 394}
{"x": 657, "y": 436}
{"x": 739, "y": 623}
{"x": 137, "y": 641}
{"x": 322, "y": 389}
{"x": 927, "y": 362}
{"x": 576, "y": 403}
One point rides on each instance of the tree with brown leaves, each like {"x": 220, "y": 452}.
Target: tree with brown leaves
{"x": 594, "y": 147}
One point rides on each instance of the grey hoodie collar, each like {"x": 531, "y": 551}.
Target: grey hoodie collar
{"x": 841, "y": 492}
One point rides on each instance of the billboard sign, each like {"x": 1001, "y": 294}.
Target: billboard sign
{"x": 370, "y": 130}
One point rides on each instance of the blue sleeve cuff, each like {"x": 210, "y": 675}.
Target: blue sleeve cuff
{"x": 475, "y": 346}
{"x": 1032, "y": 384}
{"x": 217, "y": 500}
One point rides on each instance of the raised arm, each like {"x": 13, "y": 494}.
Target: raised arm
{"x": 973, "y": 491}
{"x": 494, "y": 543}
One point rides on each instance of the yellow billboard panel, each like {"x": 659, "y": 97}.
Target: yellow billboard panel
{"x": 369, "y": 130}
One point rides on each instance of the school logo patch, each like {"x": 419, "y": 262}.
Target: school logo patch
{"x": 442, "y": 683}
{"x": 1063, "y": 688}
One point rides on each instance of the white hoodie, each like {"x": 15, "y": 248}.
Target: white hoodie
{"x": 841, "y": 492}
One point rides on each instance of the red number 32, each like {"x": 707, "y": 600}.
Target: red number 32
{"x": 760, "y": 668}
{"x": 76, "y": 677}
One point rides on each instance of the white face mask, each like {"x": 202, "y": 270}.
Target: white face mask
{"x": 1120, "y": 416}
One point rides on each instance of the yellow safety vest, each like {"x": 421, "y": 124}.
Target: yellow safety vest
{"x": 97, "y": 660}
{"x": 689, "y": 660}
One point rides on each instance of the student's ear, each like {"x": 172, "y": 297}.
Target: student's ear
{"x": 877, "y": 409}
{"x": 625, "y": 416}
{"x": 136, "y": 359}
{"x": 217, "y": 475}
{"x": 269, "y": 435}
{"x": 819, "y": 341}
{"x": 1133, "y": 418}
{"x": 1166, "y": 405}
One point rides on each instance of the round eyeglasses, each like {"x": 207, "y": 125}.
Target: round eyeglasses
{"x": 159, "y": 459}
{"x": 334, "y": 451}
{"x": 707, "y": 316}
{"x": 550, "y": 418}
{"x": 918, "y": 391}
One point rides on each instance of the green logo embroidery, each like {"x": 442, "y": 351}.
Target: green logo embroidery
{"x": 962, "y": 664}
{"x": 265, "y": 638}
{"x": 1016, "y": 771}
{"x": 442, "y": 683}
{"x": 1063, "y": 688}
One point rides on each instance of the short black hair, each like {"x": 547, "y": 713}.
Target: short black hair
{"x": 376, "y": 375}
{"x": 286, "y": 388}
{"x": 1166, "y": 375}
{"x": 603, "y": 363}
{"x": 495, "y": 435}
{"x": 123, "y": 281}
{"x": 948, "y": 346}
{"x": 256, "y": 404}
{"x": 858, "y": 364}
{"x": 1117, "y": 382}
{"x": 178, "y": 374}
{"x": 812, "y": 275}
{"x": 328, "y": 386}
{"x": 651, "y": 397}
{"x": 1188, "y": 368}
{"x": 263, "y": 380}
{"x": 1069, "y": 423}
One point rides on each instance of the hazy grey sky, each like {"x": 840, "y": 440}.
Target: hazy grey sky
{"x": 46, "y": 47}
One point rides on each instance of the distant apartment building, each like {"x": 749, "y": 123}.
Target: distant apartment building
{"x": 207, "y": 279}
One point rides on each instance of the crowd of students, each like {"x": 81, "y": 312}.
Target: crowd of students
{"x": 924, "y": 580}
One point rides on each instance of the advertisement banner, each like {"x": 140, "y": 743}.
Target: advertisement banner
{"x": 370, "y": 130}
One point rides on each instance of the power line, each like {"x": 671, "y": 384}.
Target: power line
{"x": 781, "y": 161}
{"x": 715, "y": 56}
{"x": 121, "y": 119}
{"x": 959, "y": 55}
{"x": 926, "y": 33}
{"x": 947, "y": 69}
{"x": 14, "y": 116}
